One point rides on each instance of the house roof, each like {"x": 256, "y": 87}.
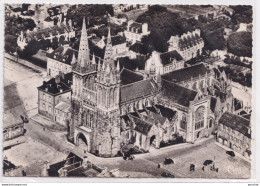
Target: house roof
{"x": 142, "y": 126}
{"x": 138, "y": 48}
{"x": 55, "y": 85}
{"x": 186, "y": 73}
{"x": 166, "y": 112}
{"x": 63, "y": 54}
{"x": 189, "y": 41}
{"x": 47, "y": 32}
{"x": 236, "y": 122}
{"x": 11, "y": 119}
{"x": 117, "y": 40}
{"x": 128, "y": 76}
{"x": 136, "y": 26}
{"x": 157, "y": 117}
{"x": 168, "y": 56}
{"x": 137, "y": 89}
{"x": 63, "y": 106}
{"x": 177, "y": 94}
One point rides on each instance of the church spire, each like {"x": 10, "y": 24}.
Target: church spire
{"x": 83, "y": 55}
{"x": 94, "y": 59}
{"x": 118, "y": 66}
{"x": 108, "y": 57}
{"x": 73, "y": 61}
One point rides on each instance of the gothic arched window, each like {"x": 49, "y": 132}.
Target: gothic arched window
{"x": 194, "y": 86}
{"x": 183, "y": 123}
{"x": 199, "y": 117}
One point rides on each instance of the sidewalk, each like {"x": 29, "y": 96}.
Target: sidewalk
{"x": 236, "y": 153}
{"x": 24, "y": 62}
{"x": 47, "y": 123}
{"x": 15, "y": 141}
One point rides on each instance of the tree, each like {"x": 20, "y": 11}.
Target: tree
{"x": 240, "y": 44}
{"x": 30, "y": 49}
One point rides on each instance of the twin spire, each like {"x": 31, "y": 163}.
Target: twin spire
{"x": 84, "y": 52}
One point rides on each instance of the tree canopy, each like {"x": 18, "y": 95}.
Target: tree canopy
{"x": 240, "y": 44}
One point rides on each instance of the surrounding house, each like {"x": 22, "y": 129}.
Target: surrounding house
{"x": 13, "y": 126}
{"x": 164, "y": 62}
{"x": 75, "y": 166}
{"x": 118, "y": 44}
{"x": 53, "y": 92}
{"x": 235, "y": 132}
{"x": 60, "y": 60}
{"x": 188, "y": 45}
{"x": 135, "y": 31}
{"x": 47, "y": 33}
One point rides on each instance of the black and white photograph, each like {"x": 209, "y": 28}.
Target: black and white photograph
{"x": 128, "y": 91}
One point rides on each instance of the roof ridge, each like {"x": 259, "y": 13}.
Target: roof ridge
{"x": 135, "y": 82}
{"x": 141, "y": 119}
{"x": 179, "y": 85}
{"x": 238, "y": 116}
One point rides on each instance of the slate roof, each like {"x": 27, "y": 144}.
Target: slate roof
{"x": 168, "y": 56}
{"x": 138, "y": 48}
{"x": 235, "y": 122}
{"x": 63, "y": 106}
{"x": 177, "y": 94}
{"x": 8, "y": 165}
{"x": 186, "y": 73}
{"x": 54, "y": 88}
{"x": 157, "y": 117}
{"x": 128, "y": 76}
{"x": 63, "y": 54}
{"x": 166, "y": 112}
{"x": 117, "y": 40}
{"x": 137, "y": 90}
{"x": 46, "y": 32}
{"x": 136, "y": 26}
{"x": 142, "y": 126}
{"x": 189, "y": 41}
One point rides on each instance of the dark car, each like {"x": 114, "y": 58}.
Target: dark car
{"x": 167, "y": 175}
{"x": 231, "y": 153}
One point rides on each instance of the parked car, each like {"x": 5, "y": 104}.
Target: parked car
{"x": 167, "y": 175}
{"x": 231, "y": 153}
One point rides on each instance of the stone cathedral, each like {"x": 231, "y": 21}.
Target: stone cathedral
{"x": 112, "y": 106}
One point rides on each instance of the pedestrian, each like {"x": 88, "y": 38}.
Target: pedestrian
{"x": 203, "y": 168}
{"x": 216, "y": 169}
{"x": 159, "y": 166}
{"x": 43, "y": 129}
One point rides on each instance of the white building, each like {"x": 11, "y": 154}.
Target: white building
{"x": 188, "y": 45}
{"x": 60, "y": 60}
{"x": 135, "y": 31}
{"x": 163, "y": 63}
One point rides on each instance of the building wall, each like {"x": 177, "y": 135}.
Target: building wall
{"x": 233, "y": 139}
{"x": 13, "y": 132}
{"x": 61, "y": 117}
{"x": 54, "y": 67}
{"x": 47, "y": 102}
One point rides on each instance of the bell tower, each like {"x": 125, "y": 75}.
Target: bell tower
{"x": 108, "y": 87}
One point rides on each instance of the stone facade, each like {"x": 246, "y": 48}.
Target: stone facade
{"x": 188, "y": 45}
{"x": 111, "y": 109}
{"x": 135, "y": 31}
{"x": 235, "y": 132}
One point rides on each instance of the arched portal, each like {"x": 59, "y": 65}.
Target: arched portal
{"x": 81, "y": 141}
{"x": 152, "y": 139}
